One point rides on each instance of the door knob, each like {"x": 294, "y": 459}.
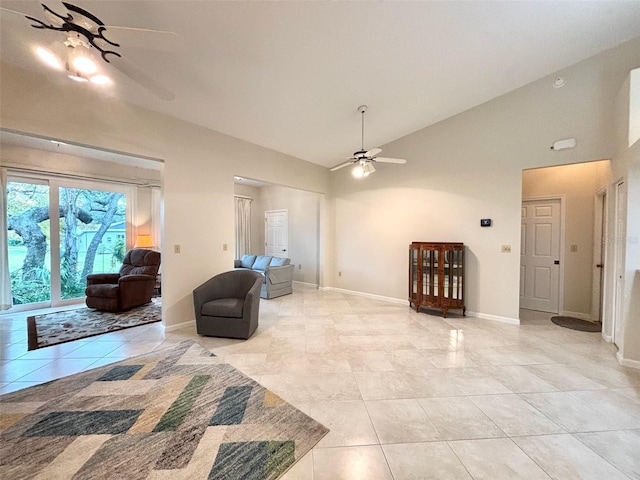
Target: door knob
{"x": 599, "y": 265}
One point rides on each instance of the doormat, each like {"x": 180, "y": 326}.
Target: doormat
{"x": 60, "y": 327}
{"x": 577, "y": 324}
{"x": 179, "y": 412}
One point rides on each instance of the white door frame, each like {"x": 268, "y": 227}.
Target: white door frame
{"x": 562, "y": 199}
{"x": 599, "y": 256}
{"x": 620, "y": 198}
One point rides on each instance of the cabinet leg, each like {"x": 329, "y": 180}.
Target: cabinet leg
{"x": 464, "y": 311}
{"x": 444, "y": 312}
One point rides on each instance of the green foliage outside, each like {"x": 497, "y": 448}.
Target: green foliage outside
{"x": 36, "y": 290}
{"x": 119, "y": 250}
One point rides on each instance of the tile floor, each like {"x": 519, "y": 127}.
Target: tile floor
{"x": 407, "y": 396}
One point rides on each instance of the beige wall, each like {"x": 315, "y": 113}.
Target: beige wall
{"x": 577, "y": 184}
{"x": 466, "y": 168}
{"x": 460, "y": 170}
{"x": 198, "y": 173}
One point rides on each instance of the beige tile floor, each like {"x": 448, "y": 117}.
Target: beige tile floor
{"x": 407, "y": 396}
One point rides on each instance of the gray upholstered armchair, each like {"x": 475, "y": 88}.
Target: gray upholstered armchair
{"x": 227, "y": 305}
{"x": 131, "y": 287}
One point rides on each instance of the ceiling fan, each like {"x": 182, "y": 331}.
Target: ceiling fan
{"x": 364, "y": 159}
{"x": 84, "y": 38}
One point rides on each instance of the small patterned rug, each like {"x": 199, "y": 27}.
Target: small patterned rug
{"x": 176, "y": 413}
{"x": 59, "y": 327}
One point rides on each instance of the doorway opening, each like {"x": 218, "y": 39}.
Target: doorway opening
{"x": 300, "y": 235}
{"x": 71, "y": 210}
{"x": 563, "y": 221}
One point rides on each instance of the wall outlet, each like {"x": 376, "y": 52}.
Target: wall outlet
{"x": 505, "y": 248}
{"x": 176, "y": 249}
{"x": 225, "y": 247}
{"x": 574, "y": 248}
{"x": 339, "y": 274}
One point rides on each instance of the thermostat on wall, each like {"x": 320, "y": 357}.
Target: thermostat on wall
{"x": 485, "y": 222}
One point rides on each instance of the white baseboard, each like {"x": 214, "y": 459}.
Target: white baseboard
{"x": 485, "y": 316}
{"x": 306, "y": 284}
{"x": 607, "y": 338}
{"x": 495, "y": 318}
{"x": 178, "y": 326}
{"x": 625, "y": 362}
{"x": 367, "y": 295}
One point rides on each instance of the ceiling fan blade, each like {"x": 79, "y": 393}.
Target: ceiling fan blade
{"x": 341, "y": 166}
{"x": 13, "y": 16}
{"x": 373, "y": 152}
{"x": 156, "y": 40}
{"x": 390, "y": 160}
{"x": 137, "y": 75}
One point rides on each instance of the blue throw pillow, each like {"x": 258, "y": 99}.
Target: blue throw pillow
{"x": 262, "y": 262}
{"x": 279, "y": 262}
{"x": 247, "y": 260}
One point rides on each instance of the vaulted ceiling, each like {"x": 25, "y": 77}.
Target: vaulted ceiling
{"x": 290, "y": 75}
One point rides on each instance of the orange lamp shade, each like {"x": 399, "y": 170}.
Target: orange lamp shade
{"x": 144, "y": 241}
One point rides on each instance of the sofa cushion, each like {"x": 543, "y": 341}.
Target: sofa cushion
{"x": 247, "y": 261}
{"x": 262, "y": 262}
{"x": 279, "y": 262}
{"x": 223, "y": 307}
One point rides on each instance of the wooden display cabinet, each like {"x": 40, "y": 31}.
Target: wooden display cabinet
{"x": 436, "y": 276}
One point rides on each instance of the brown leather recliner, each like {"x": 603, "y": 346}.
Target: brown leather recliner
{"x": 131, "y": 287}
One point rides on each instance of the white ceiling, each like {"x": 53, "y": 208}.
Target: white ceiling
{"x": 290, "y": 75}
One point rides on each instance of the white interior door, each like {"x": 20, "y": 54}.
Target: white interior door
{"x": 276, "y": 233}
{"x": 540, "y": 255}
{"x": 618, "y": 255}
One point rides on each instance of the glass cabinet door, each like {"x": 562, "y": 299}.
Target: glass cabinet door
{"x": 429, "y": 272}
{"x": 413, "y": 273}
{"x": 453, "y": 274}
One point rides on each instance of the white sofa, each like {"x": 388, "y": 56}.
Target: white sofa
{"x": 277, "y": 272}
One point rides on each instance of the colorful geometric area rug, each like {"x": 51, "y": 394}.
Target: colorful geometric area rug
{"x": 176, "y": 413}
{"x": 60, "y": 327}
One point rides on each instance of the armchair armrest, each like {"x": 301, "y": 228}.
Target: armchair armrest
{"x": 204, "y": 293}
{"x": 95, "y": 278}
{"x": 279, "y": 274}
{"x": 136, "y": 278}
{"x": 252, "y": 303}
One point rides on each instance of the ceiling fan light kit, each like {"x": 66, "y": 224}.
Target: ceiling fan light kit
{"x": 82, "y": 30}
{"x": 85, "y": 42}
{"x": 363, "y": 160}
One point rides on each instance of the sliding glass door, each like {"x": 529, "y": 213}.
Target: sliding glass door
{"x": 60, "y": 231}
